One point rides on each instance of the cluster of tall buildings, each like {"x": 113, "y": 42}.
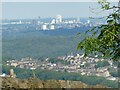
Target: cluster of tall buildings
{"x": 59, "y": 22}
{"x": 51, "y": 26}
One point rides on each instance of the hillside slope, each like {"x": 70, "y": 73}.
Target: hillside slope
{"x": 13, "y": 83}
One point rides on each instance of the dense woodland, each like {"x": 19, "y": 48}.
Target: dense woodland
{"x": 40, "y": 43}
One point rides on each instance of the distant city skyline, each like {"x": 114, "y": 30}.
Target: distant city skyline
{"x": 22, "y": 10}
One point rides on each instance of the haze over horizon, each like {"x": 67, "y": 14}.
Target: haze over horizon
{"x": 23, "y": 10}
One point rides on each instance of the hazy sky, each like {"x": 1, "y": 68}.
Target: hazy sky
{"x": 56, "y": 0}
{"x": 11, "y": 10}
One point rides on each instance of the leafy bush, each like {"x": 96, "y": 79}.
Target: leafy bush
{"x": 102, "y": 64}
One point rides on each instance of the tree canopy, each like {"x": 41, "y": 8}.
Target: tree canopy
{"x": 102, "y": 64}
{"x": 104, "y": 39}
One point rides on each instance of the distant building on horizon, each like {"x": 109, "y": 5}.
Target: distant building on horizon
{"x": 58, "y": 19}
{"x": 52, "y": 27}
{"x": 53, "y": 21}
{"x": 44, "y": 27}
